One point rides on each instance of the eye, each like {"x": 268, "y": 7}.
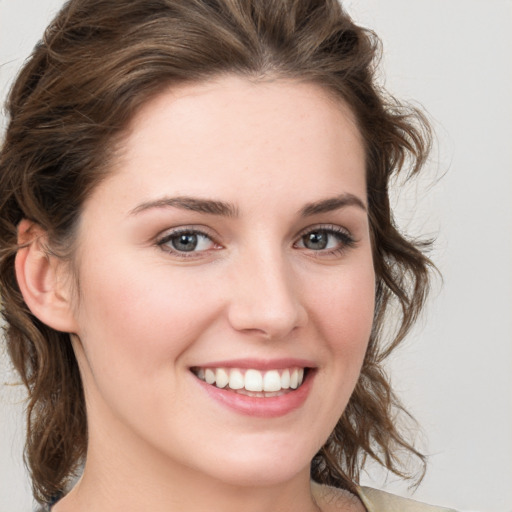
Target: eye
{"x": 183, "y": 241}
{"x": 328, "y": 239}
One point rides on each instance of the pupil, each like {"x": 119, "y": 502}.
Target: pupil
{"x": 185, "y": 242}
{"x": 316, "y": 240}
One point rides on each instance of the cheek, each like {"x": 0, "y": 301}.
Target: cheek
{"x": 140, "y": 317}
{"x": 343, "y": 310}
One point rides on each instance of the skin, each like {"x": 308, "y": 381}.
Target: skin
{"x": 145, "y": 315}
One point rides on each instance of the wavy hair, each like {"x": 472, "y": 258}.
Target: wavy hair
{"x": 98, "y": 62}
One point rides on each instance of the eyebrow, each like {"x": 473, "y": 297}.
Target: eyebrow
{"x": 225, "y": 209}
{"x": 209, "y": 206}
{"x": 331, "y": 204}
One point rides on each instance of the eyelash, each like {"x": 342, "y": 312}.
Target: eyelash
{"x": 164, "y": 242}
{"x": 344, "y": 238}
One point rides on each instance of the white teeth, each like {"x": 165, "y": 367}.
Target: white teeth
{"x": 272, "y": 381}
{"x": 285, "y": 379}
{"x": 252, "y": 380}
{"x": 236, "y": 379}
{"x": 294, "y": 379}
{"x": 209, "y": 376}
{"x": 221, "y": 378}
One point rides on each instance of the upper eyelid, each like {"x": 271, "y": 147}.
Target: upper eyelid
{"x": 334, "y": 228}
{"x": 200, "y": 230}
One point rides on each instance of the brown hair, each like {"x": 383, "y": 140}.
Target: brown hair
{"x": 98, "y": 62}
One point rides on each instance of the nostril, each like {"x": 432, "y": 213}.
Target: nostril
{"x": 266, "y": 322}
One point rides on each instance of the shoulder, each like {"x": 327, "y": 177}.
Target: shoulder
{"x": 46, "y": 507}
{"x": 332, "y": 499}
{"x": 379, "y": 501}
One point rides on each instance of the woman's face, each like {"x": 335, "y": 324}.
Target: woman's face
{"x": 230, "y": 242}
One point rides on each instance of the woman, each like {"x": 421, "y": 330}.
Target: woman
{"x": 198, "y": 254}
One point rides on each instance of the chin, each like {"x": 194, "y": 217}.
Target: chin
{"x": 260, "y": 468}
{"x": 256, "y": 476}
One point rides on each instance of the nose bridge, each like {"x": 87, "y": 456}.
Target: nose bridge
{"x": 265, "y": 298}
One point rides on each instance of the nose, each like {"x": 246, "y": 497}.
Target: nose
{"x": 264, "y": 298}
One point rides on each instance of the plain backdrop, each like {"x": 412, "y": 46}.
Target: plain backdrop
{"x": 455, "y": 370}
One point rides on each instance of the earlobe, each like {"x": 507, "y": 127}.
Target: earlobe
{"x": 41, "y": 279}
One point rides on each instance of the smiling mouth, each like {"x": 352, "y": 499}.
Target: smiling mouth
{"x": 252, "y": 382}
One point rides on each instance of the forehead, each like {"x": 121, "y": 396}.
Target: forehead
{"x": 245, "y": 135}
{"x": 224, "y": 91}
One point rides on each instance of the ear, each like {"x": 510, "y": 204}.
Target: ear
{"x": 43, "y": 279}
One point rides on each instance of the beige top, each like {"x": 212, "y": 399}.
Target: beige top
{"x": 331, "y": 499}
{"x": 380, "y": 501}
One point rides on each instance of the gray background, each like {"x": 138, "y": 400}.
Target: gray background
{"x": 455, "y": 371}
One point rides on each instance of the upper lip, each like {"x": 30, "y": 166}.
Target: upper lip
{"x": 259, "y": 364}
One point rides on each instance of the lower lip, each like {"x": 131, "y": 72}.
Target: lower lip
{"x": 261, "y": 407}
